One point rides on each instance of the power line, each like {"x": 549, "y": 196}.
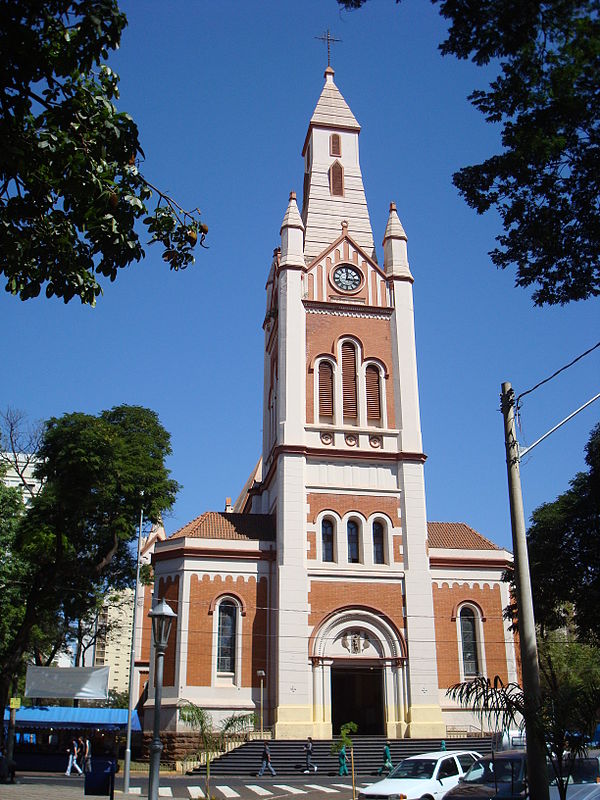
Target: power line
{"x": 554, "y": 374}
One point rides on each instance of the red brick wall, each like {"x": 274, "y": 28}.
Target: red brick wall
{"x": 445, "y": 600}
{"x": 204, "y": 592}
{"x": 146, "y": 624}
{"x": 326, "y": 597}
{"x": 168, "y": 589}
{"x": 343, "y": 503}
{"x": 322, "y": 333}
{"x": 311, "y": 538}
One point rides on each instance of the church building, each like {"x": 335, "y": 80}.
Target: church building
{"x": 323, "y": 594}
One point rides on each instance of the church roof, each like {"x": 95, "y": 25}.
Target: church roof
{"x": 225, "y": 525}
{"x": 457, "y": 536}
{"x": 331, "y": 110}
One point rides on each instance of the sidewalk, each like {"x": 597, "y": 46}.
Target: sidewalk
{"x": 42, "y": 791}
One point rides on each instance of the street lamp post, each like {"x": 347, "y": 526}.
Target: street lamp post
{"x": 162, "y": 616}
{"x": 261, "y": 675}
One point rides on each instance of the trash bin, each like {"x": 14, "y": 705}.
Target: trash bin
{"x": 100, "y": 782}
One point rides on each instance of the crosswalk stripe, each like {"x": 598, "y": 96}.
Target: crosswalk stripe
{"x": 326, "y": 789}
{"x": 196, "y": 792}
{"x": 290, "y": 789}
{"x": 258, "y": 789}
{"x": 343, "y": 785}
{"x": 227, "y": 791}
{"x": 165, "y": 791}
{"x": 135, "y": 790}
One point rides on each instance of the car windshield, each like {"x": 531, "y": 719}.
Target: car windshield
{"x": 419, "y": 768}
{"x": 493, "y": 771}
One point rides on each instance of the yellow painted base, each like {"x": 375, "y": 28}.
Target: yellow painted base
{"x": 395, "y": 730}
{"x": 425, "y": 722}
{"x": 294, "y": 722}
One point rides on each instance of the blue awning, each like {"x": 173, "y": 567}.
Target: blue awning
{"x": 65, "y": 717}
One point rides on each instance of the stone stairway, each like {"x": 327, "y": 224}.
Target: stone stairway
{"x": 287, "y": 756}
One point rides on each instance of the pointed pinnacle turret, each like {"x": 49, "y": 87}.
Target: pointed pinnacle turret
{"x": 292, "y": 235}
{"x": 395, "y": 254}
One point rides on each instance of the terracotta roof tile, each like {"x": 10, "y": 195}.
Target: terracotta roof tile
{"x": 223, "y": 525}
{"x": 457, "y": 536}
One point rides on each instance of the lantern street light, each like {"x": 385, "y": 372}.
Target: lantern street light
{"x": 162, "y": 616}
{"x": 261, "y": 675}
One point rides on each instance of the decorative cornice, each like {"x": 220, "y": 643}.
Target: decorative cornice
{"x": 341, "y": 308}
{"x": 469, "y": 563}
{"x": 327, "y": 452}
{"x": 206, "y": 552}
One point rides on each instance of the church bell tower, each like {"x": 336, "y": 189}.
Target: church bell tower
{"x": 342, "y": 466}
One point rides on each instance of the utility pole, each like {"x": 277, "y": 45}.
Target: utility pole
{"x": 537, "y": 775}
{"x": 130, "y": 705}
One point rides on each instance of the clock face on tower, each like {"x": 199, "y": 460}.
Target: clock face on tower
{"x": 347, "y": 278}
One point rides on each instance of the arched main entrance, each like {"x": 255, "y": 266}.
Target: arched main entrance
{"x": 357, "y": 696}
{"x": 358, "y": 659}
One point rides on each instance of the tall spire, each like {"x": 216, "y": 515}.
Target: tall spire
{"x": 333, "y": 184}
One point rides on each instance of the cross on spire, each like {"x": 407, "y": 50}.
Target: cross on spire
{"x": 327, "y": 37}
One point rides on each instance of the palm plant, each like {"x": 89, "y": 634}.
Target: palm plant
{"x": 213, "y": 741}
{"x": 566, "y": 714}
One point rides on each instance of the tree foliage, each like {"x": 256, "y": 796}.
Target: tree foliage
{"x": 545, "y": 184}
{"x": 564, "y": 552}
{"x": 71, "y": 190}
{"x": 568, "y": 709}
{"x": 70, "y": 545}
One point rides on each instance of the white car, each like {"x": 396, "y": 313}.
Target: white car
{"x": 428, "y": 776}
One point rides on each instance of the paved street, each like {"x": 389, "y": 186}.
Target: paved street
{"x": 314, "y": 787}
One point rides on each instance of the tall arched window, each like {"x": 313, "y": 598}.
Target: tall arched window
{"x": 335, "y": 145}
{"x": 353, "y": 543}
{"x": 349, "y": 381}
{"x": 327, "y": 539}
{"x": 470, "y": 649}
{"x": 326, "y": 390}
{"x": 373, "y": 394}
{"x": 336, "y": 179}
{"x": 226, "y": 637}
{"x": 378, "y": 544}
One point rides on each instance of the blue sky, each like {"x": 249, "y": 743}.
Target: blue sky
{"x": 222, "y": 93}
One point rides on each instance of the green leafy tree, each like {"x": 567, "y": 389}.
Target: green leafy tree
{"x": 545, "y": 184}
{"x": 345, "y": 741}
{"x": 564, "y": 552}
{"x": 71, "y": 543}
{"x": 71, "y": 189}
{"x": 568, "y": 709}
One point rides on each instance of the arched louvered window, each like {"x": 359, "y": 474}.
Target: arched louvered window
{"x": 378, "y": 550}
{"x": 335, "y": 145}
{"x": 226, "y": 637}
{"x": 373, "y": 394}
{"x": 349, "y": 380}
{"x": 336, "y": 179}
{"x": 325, "y": 390}
{"x": 327, "y": 539}
{"x": 353, "y": 545}
{"x": 469, "y": 644}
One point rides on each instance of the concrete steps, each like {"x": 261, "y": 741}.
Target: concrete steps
{"x": 287, "y": 756}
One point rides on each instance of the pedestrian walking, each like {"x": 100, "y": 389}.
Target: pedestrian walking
{"x": 81, "y": 753}
{"x": 343, "y": 759}
{"x": 266, "y": 761}
{"x": 72, "y": 751}
{"x": 387, "y": 759}
{"x": 87, "y": 756}
{"x": 308, "y": 750}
